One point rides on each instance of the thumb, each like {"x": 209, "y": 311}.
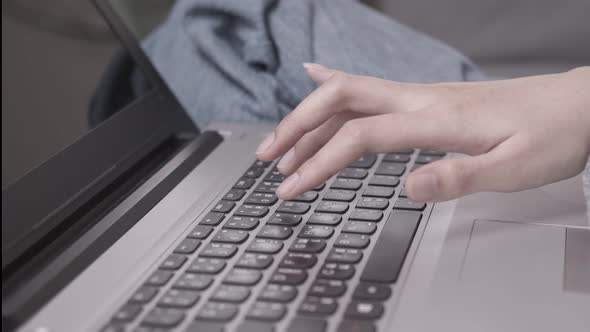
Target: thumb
{"x": 319, "y": 73}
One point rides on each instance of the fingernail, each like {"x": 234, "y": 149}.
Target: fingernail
{"x": 288, "y": 185}
{"x": 266, "y": 143}
{"x": 315, "y": 66}
{"x": 286, "y": 160}
{"x": 424, "y": 187}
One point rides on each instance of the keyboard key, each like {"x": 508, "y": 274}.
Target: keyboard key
{"x": 244, "y": 184}
{"x": 246, "y": 277}
{"x": 202, "y": 326}
{"x": 284, "y": 219}
{"x": 307, "y": 197}
{"x": 219, "y": 250}
{"x": 212, "y": 219}
{"x": 113, "y": 327}
{"x": 355, "y": 241}
{"x": 266, "y": 311}
{"x": 293, "y": 207}
{"x": 404, "y": 151}
{"x": 432, "y": 153}
{"x": 265, "y": 246}
{"x": 392, "y": 169}
{"x": 324, "y": 219}
{"x": 275, "y": 232}
{"x": 426, "y": 159}
{"x": 261, "y": 199}
{"x": 316, "y": 232}
{"x": 377, "y": 191}
{"x": 173, "y": 262}
{"x": 262, "y": 164}
{"x": 302, "y": 324}
{"x": 224, "y": 207}
{"x": 176, "y": 298}
{"x": 327, "y": 288}
{"x": 295, "y": 260}
{"x": 284, "y": 276}
{"x": 248, "y": 210}
{"x": 242, "y": 223}
{"x": 339, "y": 195}
{"x": 206, "y": 265}
{"x": 127, "y": 313}
{"x": 359, "y": 227}
{"x": 397, "y": 158}
{"x": 144, "y": 295}
{"x": 234, "y": 195}
{"x": 275, "y": 176}
{"x": 366, "y": 215}
{"x": 364, "y": 310}
{"x": 231, "y": 293}
{"x": 200, "y": 232}
{"x": 349, "y": 325}
{"x": 267, "y": 187}
{"x": 353, "y": 173}
{"x": 230, "y": 236}
{"x": 253, "y": 326}
{"x": 384, "y": 181}
{"x": 346, "y": 184}
{"x": 159, "y": 278}
{"x": 254, "y": 261}
{"x": 192, "y": 281}
{"x": 321, "y": 306}
{"x": 391, "y": 248}
{"x": 373, "y": 203}
{"x": 187, "y": 246}
{"x": 163, "y": 318}
{"x": 278, "y": 293}
{"x": 337, "y": 271}
{"x": 311, "y": 246}
{"x": 254, "y": 172}
{"x": 372, "y": 292}
{"x": 217, "y": 311}
{"x": 408, "y": 204}
{"x": 344, "y": 256}
{"x": 332, "y": 207}
{"x": 366, "y": 161}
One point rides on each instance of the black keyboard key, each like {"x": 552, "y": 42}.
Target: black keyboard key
{"x": 344, "y": 256}
{"x": 219, "y": 250}
{"x": 359, "y": 227}
{"x": 127, "y": 313}
{"x": 297, "y": 260}
{"x": 397, "y": 158}
{"x": 366, "y": 161}
{"x": 316, "y": 232}
{"x": 353, "y": 173}
{"x": 266, "y": 311}
{"x": 421, "y": 159}
{"x": 332, "y": 207}
{"x": 267, "y": 187}
{"x": 247, "y": 210}
{"x": 262, "y": 164}
{"x": 234, "y": 195}
{"x": 355, "y": 241}
{"x": 372, "y": 292}
{"x": 254, "y": 261}
{"x": 366, "y": 215}
{"x": 261, "y": 199}
{"x": 285, "y": 219}
{"x": 244, "y": 184}
{"x": 391, "y": 169}
{"x": 364, "y": 310}
{"x": 375, "y": 203}
{"x": 378, "y": 191}
{"x": 192, "y": 281}
{"x": 206, "y": 265}
{"x": 274, "y": 232}
{"x": 432, "y": 153}
{"x": 278, "y": 293}
{"x": 173, "y": 262}
{"x": 337, "y": 271}
{"x": 200, "y": 232}
{"x": 293, "y": 207}
{"x": 204, "y": 326}
{"x": 274, "y": 176}
{"x": 346, "y": 184}
{"x": 159, "y": 278}
{"x": 254, "y": 172}
{"x": 242, "y": 223}
{"x": 163, "y": 318}
{"x": 284, "y": 276}
{"x": 224, "y": 207}
{"x": 311, "y": 246}
{"x": 307, "y": 197}
{"x": 303, "y": 324}
{"x": 320, "y": 306}
{"x": 384, "y": 181}
{"x": 339, "y": 195}
{"x": 327, "y": 288}
{"x": 144, "y": 295}
{"x": 113, "y": 327}
{"x": 265, "y": 246}
{"x": 254, "y": 326}
{"x": 217, "y": 311}
{"x": 187, "y": 246}
{"x": 245, "y": 277}
{"x": 230, "y": 236}
{"x": 408, "y": 204}
{"x": 212, "y": 219}
{"x": 324, "y": 219}
{"x": 176, "y": 298}
{"x": 231, "y": 293}
{"x": 391, "y": 248}
{"x": 356, "y": 326}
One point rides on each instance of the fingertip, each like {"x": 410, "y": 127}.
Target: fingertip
{"x": 317, "y": 72}
{"x": 423, "y": 186}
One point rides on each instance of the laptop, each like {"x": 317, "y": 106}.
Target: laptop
{"x": 149, "y": 223}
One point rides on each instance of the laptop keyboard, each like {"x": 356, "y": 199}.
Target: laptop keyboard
{"x": 254, "y": 261}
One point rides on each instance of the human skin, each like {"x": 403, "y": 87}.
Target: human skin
{"x": 514, "y": 134}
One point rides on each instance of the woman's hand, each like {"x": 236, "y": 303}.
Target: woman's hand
{"x": 517, "y": 134}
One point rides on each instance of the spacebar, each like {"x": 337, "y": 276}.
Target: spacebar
{"x": 392, "y": 247}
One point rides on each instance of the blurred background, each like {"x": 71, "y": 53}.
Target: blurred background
{"x": 507, "y": 38}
